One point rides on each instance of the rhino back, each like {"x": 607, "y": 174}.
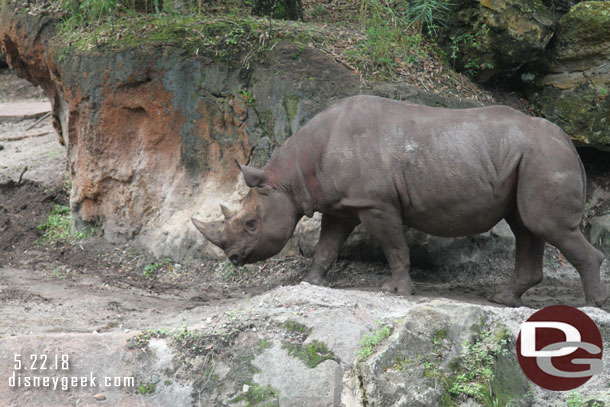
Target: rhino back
{"x": 451, "y": 172}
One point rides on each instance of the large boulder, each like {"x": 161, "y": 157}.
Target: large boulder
{"x": 489, "y": 37}
{"x": 573, "y": 86}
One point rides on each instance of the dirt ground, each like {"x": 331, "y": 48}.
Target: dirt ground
{"x": 90, "y": 285}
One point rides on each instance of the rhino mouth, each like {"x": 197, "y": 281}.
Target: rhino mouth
{"x": 236, "y": 260}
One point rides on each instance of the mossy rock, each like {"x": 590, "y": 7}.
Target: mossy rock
{"x": 582, "y": 38}
{"x": 573, "y": 78}
{"x": 487, "y": 37}
{"x": 583, "y": 112}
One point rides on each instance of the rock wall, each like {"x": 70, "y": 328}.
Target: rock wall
{"x": 152, "y": 132}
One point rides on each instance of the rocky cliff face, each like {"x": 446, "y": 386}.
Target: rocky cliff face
{"x": 152, "y": 132}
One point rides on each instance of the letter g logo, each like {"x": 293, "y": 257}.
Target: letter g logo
{"x": 560, "y": 348}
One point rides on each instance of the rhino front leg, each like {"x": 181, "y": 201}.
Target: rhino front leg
{"x": 386, "y": 226}
{"x": 528, "y": 264}
{"x": 333, "y": 232}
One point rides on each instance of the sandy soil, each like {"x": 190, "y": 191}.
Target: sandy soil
{"x": 90, "y": 285}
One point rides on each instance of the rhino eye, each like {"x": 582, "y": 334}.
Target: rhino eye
{"x": 251, "y": 224}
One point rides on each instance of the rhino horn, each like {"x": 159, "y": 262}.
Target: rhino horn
{"x": 210, "y": 230}
{"x": 226, "y": 211}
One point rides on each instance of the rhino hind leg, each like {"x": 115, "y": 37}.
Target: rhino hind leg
{"x": 386, "y": 227}
{"x": 333, "y": 232}
{"x": 587, "y": 261}
{"x": 528, "y": 264}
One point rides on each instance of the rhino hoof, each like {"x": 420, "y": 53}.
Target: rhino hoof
{"x": 507, "y": 299}
{"x": 316, "y": 279}
{"x": 598, "y": 299}
{"x": 399, "y": 286}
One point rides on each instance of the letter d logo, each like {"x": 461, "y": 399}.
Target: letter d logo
{"x": 560, "y": 348}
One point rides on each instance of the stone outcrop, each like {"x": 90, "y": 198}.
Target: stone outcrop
{"x": 489, "y": 37}
{"x": 573, "y": 76}
{"x": 152, "y": 132}
{"x": 299, "y": 346}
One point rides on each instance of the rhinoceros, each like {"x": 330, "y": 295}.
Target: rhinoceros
{"x": 446, "y": 172}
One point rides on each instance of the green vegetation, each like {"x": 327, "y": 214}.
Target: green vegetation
{"x": 311, "y": 354}
{"x": 153, "y": 268}
{"x": 214, "y": 37}
{"x": 428, "y": 15}
{"x": 296, "y": 327}
{"x": 385, "y": 40}
{"x": 470, "y": 43}
{"x": 259, "y": 396}
{"x": 575, "y": 399}
{"x": 142, "y": 340}
{"x": 247, "y": 95}
{"x": 399, "y": 37}
{"x": 474, "y": 374}
{"x": 391, "y": 35}
{"x": 57, "y": 227}
{"x": 371, "y": 340}
{"x": 263, "y": 344}
{"x": 147, "y": 388}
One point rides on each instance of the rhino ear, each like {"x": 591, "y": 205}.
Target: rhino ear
{"x": 253, "y": 176}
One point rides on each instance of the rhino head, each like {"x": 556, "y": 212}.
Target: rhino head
{"x": 259, "y": 228}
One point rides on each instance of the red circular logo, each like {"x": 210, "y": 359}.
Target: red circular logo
{"x": 560, "y": 348}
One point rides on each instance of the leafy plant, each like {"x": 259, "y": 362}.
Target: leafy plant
{"x": 152, "y": 268}
{"x": 147, "y": 388}
{"x": 470, "y": 43}
{"x": 474, "y": 370}
{"x": 371, "y": 340}
{"x": 248, "y": 96}
{"x": 428, "y": 15}
{"x": 575, "y": 399}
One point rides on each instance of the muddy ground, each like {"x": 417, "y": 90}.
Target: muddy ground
{"x": 87, "y": 285}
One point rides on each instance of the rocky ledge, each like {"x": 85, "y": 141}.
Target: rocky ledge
{"x": 304, "y": 346}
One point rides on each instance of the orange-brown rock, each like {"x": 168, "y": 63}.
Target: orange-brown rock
{"x": 152, "y": 132}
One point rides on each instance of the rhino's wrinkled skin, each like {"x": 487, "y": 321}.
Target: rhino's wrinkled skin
{"x": 446, "y": 172}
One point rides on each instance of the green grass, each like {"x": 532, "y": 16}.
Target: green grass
{"x": 58, "y": 227}
{"x": 369, "y": 341}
